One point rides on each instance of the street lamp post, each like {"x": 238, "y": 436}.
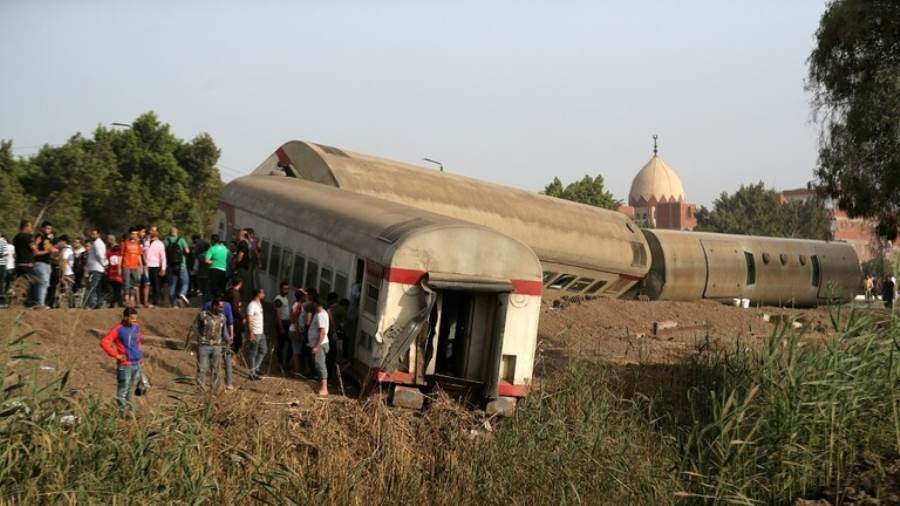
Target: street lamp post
{"x": 439, "y": 164}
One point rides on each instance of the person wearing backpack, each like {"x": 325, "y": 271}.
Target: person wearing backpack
{"x": 176, "y": 257}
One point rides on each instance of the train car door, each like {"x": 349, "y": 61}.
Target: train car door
{"x": 726, "y": 269}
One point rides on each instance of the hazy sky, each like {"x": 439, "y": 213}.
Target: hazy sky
{"x": 514, "y": 92}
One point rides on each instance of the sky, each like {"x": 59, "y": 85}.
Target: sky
{"x": 514, "y": 92}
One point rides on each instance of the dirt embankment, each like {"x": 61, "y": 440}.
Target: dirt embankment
{"x": 620, "y": 332}
{"x": 631, "y": 332}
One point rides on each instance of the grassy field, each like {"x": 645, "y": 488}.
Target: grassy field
{"x": 731, "y": 426}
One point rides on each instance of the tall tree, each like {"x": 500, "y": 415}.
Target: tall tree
{"x": 587, "y": 190}
{"x": 854, "y": 75}
{"x": 119, "y": 177}
{"x": 13, "y": 200}
{"x": 757, "y": 210}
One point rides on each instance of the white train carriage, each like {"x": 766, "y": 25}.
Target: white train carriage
{"x": 440, "y": 300}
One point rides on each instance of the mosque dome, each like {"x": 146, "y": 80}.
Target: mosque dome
{"x": 655, "y": 183}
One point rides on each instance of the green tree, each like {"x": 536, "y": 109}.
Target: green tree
{"x": 757, "y": 210}
{"x": 587, "y": 190}
{"x": 15, "y": 204}
{"x": 120, "y": 177}
{"x": 854, "y": 75}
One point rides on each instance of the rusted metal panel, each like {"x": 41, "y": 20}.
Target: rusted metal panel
{"x": 725, "y": 267}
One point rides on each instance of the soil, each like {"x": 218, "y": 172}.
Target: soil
{"x": 622, "y": 332}
{"x": 619, "y": 332}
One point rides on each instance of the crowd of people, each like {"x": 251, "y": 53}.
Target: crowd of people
{"x": 143, "y": 269}
{"x": 228, "y": 331}
{"x": 139, "y": 268}
{"x": 886, "y": 287}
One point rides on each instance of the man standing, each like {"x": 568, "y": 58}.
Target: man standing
{"x": 176, "y": 258}
{"x": 217, "y": 260}
{"x": 242, "y": 261}
{"x": 283, "y": 323}
{"x": 22, "y": 247}
{"x": 42, "y": 248}
{"x": 95, "y": 266}
{"x": 212, "y": 336}
{"x": 256, "y": 335}
{"x": 66, "y": 272}
{"x": 887, "y": 292}
{"x": 132, "y": 264}
{"x": 123, "y": 343}
{"x": 155, "y": 258}
{"x": 317, "y": 340}
{"x": 199, "y": 267}
{"x": 78, "y": 262}
{"x": 144, "y": 289}
{"x": 226, "y": 349}
{"x": 237, "y": 307}
{"x": 5, "y": 249}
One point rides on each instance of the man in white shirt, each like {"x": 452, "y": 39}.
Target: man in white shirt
{"x": 317, "y": 340}
{"x": 66, "y": 271}
{"x": 96, "y": 267}
{"x": 255, "y": 332}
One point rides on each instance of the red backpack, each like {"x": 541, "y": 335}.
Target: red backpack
{"x": 114, "y": 270}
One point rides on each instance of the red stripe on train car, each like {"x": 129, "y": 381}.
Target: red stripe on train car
{"x": 394, "y": 377}
{"x": 404, "y": 276}
{"x": 527, "y": 287}
{"x": 510, "y": 390}
{"x": 414, "y": 276}
{"x": 282, "y": 156}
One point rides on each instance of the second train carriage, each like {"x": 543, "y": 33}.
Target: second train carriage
{"x": 440, "y": 300}
{"x": 583, "y": 249}
{"x": 766, "y": 270}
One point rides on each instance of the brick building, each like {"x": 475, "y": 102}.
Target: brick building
{"x": 858, "y": 232}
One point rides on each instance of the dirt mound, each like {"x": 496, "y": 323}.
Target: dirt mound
{"x": 623, "y": 332}
{"x": 70, "y": 340}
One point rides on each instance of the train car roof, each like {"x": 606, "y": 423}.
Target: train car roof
{"x": 787, "y": 241}
{"x": 362, "y": 223}
{"x": 557, "y": 230}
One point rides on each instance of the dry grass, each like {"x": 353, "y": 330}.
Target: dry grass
{"x": 728, "y": 427}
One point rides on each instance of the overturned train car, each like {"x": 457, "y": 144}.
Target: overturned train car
{"x": 583, "y": 249}
{"x": 438, "y": 301}
{"x": 766, "y": 270}
{"x": 589, "y": 251}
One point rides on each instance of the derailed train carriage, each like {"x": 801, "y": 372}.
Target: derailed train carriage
{"x": 441, "y": 301}
{"x": 590, "y": 251}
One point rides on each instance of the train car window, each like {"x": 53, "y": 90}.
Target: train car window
{"x": 340, "y": 284}
{"x": 312, "y": 274}
{"x": 802, "y": 259}
{"x": 580, "y": 285}
{"x": 299, "y": 271}
{"x": 595, "y": 287}
{"x": 766, "y": 258}
{"x": 275, "y": 260}
{"x": 373, "y": 291}
{"x": 751, "y": 268}
{"x": 548, "y": 276}
{"x": 325, "y": 281}
{"x": 560, "y": 282}
{"x": 816, "y": 273}
{"x": 263, "y": 255}
{"x": 287, "y": 262}
{"x": 783, "y": 259}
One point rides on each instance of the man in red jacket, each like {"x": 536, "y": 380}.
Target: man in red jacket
{"x": 123, "y": 343}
